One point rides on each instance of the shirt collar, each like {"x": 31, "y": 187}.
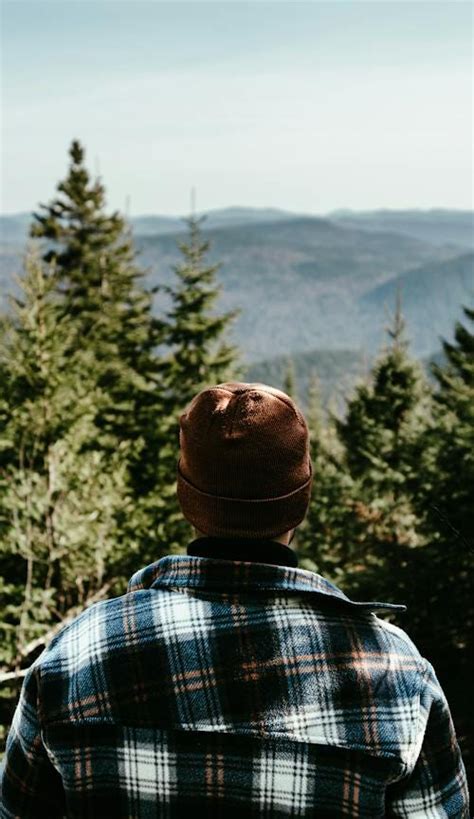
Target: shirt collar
{"x": 249, "y": 550}
{"x": 233, "y": 577}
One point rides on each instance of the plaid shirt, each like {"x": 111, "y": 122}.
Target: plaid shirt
{"x": 231, "y": 688}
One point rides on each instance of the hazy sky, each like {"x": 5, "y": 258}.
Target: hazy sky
{"x": 307, "y": 106}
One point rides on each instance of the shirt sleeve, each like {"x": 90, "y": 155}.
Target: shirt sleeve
{"x": 30, "y": 786}
{"x": 437, "y": 785}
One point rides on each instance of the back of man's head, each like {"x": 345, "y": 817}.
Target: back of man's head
{"x": 245, "y": 467}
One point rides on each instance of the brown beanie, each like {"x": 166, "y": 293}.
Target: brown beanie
{"x": 245, "y": 468}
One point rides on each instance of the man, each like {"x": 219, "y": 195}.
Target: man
{"x": 228, "y": 682}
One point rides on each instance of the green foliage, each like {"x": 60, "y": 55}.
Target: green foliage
{"x": 324, "y": 538}
{"x": 91, "y": 390}
{"x": 196, "y": 353}
{"x": 382, "y": 429}
{"x": 101, "y": 287}
{"x": 112, "y": 330}
{"x": 364, "y": 510}
{"x": 198, "y": 356}
{"x": 451, "y": 499}
{"x": 391, "y": 513}
{"x": 56, "y": 537}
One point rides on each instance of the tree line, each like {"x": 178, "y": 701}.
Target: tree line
{"x": 93, "y": 380}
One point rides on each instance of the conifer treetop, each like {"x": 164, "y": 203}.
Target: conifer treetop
{"x": 78, "y": 231}
{"x": 460, "y": 357}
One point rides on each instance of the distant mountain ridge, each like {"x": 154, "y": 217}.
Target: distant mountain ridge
{"x": 14, "y": 227}
{"x": 431, "y": 294}
{"x": 306, "y": 283}
{"x": 299, "y": 283}
{"x": 438, "y": 225}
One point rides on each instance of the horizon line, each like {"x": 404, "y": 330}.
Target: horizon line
{"x": 340, "y": 210}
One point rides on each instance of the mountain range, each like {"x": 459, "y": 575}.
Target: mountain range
{"x": 311, "y": 285}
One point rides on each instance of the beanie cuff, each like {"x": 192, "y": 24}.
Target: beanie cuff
{"x": 243, "y": 517}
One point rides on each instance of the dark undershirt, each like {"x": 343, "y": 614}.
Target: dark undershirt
{"x": 242, "y": 548}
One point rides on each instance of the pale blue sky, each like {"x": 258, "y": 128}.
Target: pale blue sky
{"x": 306, "y": 106}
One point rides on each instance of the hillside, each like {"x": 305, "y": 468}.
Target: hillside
{"x": 14, "y": 228}
{"x": 300, "y": 282}
{"x": 437, "y": 226}
{"x": 297, "y": 283}
{"x": 432, "y": 297}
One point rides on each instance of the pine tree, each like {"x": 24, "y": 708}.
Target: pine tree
{"x": 450, "y": 500}
{"x": 92, "y": 250}
{"x": 383, "y": 435}
{"x": 447, "y": 633}
{"x": 34, "y": 342}
{"x": 103, "y": 298}
{"x": 102, "y": 293}
{"x": 455, "y": 428}
{"x": 410, "y": 459}
{"x": 324, "y": 540}
{"x": 460, "y": 356}
{"x": 197, "y": 353}
{"x": 56, "y": 538}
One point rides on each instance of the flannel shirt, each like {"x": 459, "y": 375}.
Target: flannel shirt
{"x": 232, "y": 688}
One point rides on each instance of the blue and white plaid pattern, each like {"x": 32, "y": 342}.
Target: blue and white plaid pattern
{"x": 232, "y": 688}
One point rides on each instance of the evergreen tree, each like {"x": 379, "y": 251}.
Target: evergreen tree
{"x": 384, "y": 419}
{"x": 92, "y": 251}
{"x": 197, "y": 353}
{"x": 102, "y": 293}
{"x": 383, "y": 438}
{"x": 324, "y": 538}
{"x": 455, "y": 429}
{"x": 112, "y": 326}
{"x": 55, "y": 536}
{"x": 450, "y": 507}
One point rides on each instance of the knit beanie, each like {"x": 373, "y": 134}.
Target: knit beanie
{"x": 245, "y": 468}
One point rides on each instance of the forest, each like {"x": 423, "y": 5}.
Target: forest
{"x": 93, "y": 380}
